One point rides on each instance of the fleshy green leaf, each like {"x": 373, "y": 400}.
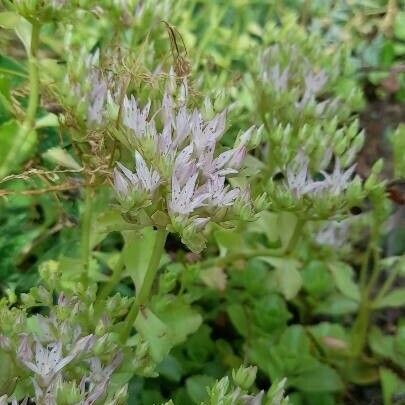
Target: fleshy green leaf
{"x": 288, "y": 277}
{"x": 137, "y": 253}
{"x": 394, "y": 299}
{"x": 343, "y": 276}
{"x": 178, "y": 316}
{"x": 155, "y": 333}
{"x": 197, "y": 387}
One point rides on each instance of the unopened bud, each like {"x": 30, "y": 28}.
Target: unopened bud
{"x": 244, "y": 377}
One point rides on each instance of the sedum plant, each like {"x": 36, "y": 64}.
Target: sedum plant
{"x": 208, "y": 210}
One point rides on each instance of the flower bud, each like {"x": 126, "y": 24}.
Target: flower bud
{"x": 220, "y": 101}
{"x": 167, "y": 282}
{"x": 50, "y": 272}
{"x": 244, "y": 377}
{"x": 103, "y": 345}
{"x": 121, "y": 396}
{"x": 68, "y": 394}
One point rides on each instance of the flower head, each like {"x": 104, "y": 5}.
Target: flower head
{"x": 300, "y": 182}
{"x": 177, "y": 163}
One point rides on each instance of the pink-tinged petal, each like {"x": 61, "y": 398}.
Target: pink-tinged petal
{"x": 199, "y": 138}
{"x": 165, "y": 139}
{"x": 113, "y": 365}
{"x": 230, "y": 196}
{"x": 237, "y": 158}
{"x": 188, "y": 189}
{"x": 176, "y": 190}
{"x": 128, "y": 174}
{"x": 24, "y": 352}
{"x": 96, "y": 392}
{"x": 142, "y": 170}
{"x": 155, "y": 180}
{"x": 226, "y": 172}
{"x": 216, "y": 127}
{"x": 199, "y": 200}
{"x": 246, "y": 136}
{"x": 348, "y": 173}
{"x": 184, "y": 156}
{"x": 221, "y": 160}
{"x": 184, "y": 172}
{"x": 83, "y": 345}
{"x": 182, "y": 126}
{"x": 314, "y": 82}
{"x": 146, "y": 110}
{"x": 167, "y": 108}
{"x": 120, "y": 183}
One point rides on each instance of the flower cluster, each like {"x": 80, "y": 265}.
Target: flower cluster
{"x": 236, "y": 390}
{"x": 50, "y": 350}
{"x": 303, "y": 108}
{"x": 88, "y": 88}
{"x": 333, "y": 234}
{"x": 300, "y": 182}
{"x": 178, "y": 170}
{"x": 328, "y": 195}
{"x": 46, "y": 10}
{"x": 298, "y": 80}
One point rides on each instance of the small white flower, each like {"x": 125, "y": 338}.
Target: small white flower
{"x": 184, "y": 165}
{"x": 94, "y": 385}
{"x": 182, "y": 126}
{"x": 219, "y": 194}
{"x": 49, "y": 360}
{"x": 135, "y": 118}
{"x": 121, "y": 181}
{"x": 334, "y": 234}
{"x": 149, "y": 179}
{"x": 184, "y": 200}
{"x": 314, "y": 82}
{"x": 339, "y": 180}
{"x": 97, "y": 97}
{"x": 24, "y": 352}
{"x": 145, "y": 179}
{"x": 279, "y": 80}
{"x": 206, "y": 135}
{"x": 300, "y": 182}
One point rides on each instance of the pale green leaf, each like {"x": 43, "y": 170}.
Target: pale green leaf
{"x": 394, "y": 299}
{"x": 9, "y": 19}
{"x": 343, "y": 277}
{"x": 155, "y": 333}
{"x": 61, "y": 157}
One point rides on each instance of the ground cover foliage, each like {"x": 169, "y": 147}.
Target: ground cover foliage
{"x": 202, "y": 202}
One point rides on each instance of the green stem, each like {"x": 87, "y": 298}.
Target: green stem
{"x": 387, "y": 285}
{"x": 360, "y": 327}
{"x": 86, "y": 234}
{"x": 361, "y": 324}
{"x": 364, "y": 269}
{"x": 295, "y": 236}
{"x": 222, "y": 261}
{"x": 375, "y": 272}
{"x": 142, "y": 296}
{"x": 110, "y": 285}
{"x": 29, "y": 121}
